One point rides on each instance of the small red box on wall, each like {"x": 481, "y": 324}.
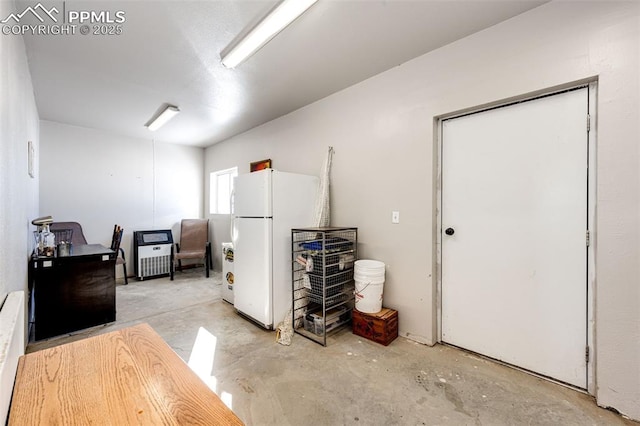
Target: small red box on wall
{"x": 381, "y": 327}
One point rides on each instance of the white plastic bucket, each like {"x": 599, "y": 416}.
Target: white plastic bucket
{"x": 369, "y": 279}
{"x": 369, "y": 266}
{"x": 369, "y": 296}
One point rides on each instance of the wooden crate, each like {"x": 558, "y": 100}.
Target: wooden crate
{"x": 381, "y": 327}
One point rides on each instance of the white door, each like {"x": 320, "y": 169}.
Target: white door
{"x": 514, "y": 222}
{"x": 253, "y": 269}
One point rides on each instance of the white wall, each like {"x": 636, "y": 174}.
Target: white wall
{"x": 382, "y": 131}
{"x": 18, "y": 191}
{"x": 99, "y": 179}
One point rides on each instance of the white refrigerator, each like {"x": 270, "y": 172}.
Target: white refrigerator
{"x": 267, "y": 204}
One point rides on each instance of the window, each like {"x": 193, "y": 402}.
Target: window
{"x": 221, "y": 187}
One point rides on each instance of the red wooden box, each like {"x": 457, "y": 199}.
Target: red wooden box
{"x": 381, "y": 327}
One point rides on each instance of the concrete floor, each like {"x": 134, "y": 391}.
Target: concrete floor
{"x": 352, "y": 381}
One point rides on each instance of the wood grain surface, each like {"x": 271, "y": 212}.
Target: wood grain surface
{"x": 125, "y": 377}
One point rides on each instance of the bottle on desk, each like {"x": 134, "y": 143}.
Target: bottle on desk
{"x": 45, "y": 242}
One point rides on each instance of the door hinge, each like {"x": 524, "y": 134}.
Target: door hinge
{"x": 588, "y": 238}
{"x": 588, "y": 122}
{"x": 586, "y": 354}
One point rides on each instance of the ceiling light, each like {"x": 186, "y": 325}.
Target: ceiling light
{"x": 284, "y": 13}
{"x": 167, "y": 114}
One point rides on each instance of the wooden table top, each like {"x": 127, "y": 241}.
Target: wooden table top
{"x": 130, "y": 376}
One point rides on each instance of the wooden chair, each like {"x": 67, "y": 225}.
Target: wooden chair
{"x": 194, "y": 244}
{"x": 116, "y": 239}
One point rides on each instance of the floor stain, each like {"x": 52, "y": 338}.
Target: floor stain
{"x": 422, "y": 381}
{"x": 245, "y": 386}
{"x": 452, "y": 396}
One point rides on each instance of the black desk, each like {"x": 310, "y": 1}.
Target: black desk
{"x": 73, "y": 292}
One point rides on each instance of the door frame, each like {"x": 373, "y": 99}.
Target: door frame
{"x": 592, "y": 85}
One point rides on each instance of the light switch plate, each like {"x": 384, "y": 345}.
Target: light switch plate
{"x": 395, "y": 217}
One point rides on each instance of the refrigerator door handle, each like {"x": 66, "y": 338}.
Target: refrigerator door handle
{"x": 232, "y": 223}
{"x": 232, "y": 198}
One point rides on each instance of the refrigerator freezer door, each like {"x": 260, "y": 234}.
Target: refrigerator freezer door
{"x": 253, "y": 269}
{"x": 253, "y": 194}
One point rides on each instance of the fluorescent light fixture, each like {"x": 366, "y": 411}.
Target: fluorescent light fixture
{"x": 167, "y": 114}
{"x": 284, "y": 13}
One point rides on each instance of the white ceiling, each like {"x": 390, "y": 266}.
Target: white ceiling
{"x": 169, "y": 52}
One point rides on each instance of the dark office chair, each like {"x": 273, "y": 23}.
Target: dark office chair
{"x": 68, "y": 229}
{"x": 194, "y": 244}
{"x": 116, "y": 239}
